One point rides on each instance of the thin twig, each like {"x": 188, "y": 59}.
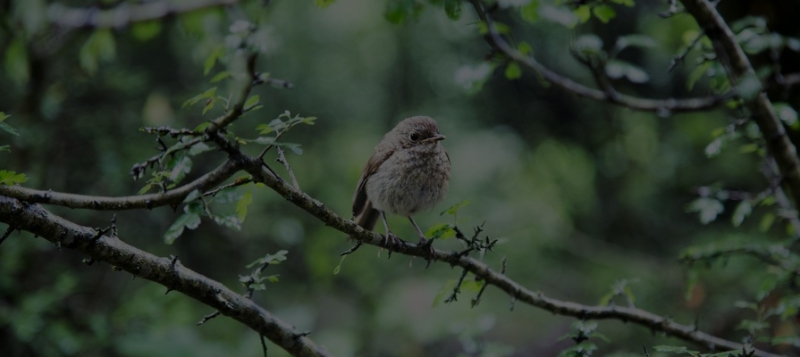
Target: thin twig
{"x": 7, "y": 233}
{"x": 282, "y": 160}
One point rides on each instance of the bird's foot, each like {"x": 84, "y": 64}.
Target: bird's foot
{"x": 426, "y": 244}
{"x": 391, "y": 240}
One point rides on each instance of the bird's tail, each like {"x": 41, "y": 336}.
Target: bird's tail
{"x": 368, "y": 217}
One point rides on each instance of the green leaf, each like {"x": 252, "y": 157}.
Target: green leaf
{"x": 292, "y": 146}
{"x": 146, "y": 30}
{"x": 5, "y": 148}
{"x": 199, "y": 148}
{"x": 604, "y": 13}
{"x": 697, "y": 73}
{"x": 589, "y": 44}
{"x": 584, "y": 13}
{"x": 766, "y": 221}
{"x": 440, "y": 231}
{"x": 251, "y": 102}
{"x": 8, "y": 129}
{"x": 618, "y": 69}
{"x": 785, "y": 112}
{"x": 181, "y": 165}
{"x": 513, "y": 71}
{"x": 220, "y": 76}
{"x": 212, "y": 58}
{"x": 707, "y": 209}
{"x": 401, "y": 11}
{"x": 208, "y": 94}
{"x": 748, "y": 148}
{"x": 209, "y": 105}
{"x": 749, "y": 86}
{"x": 4, "y": 116}
{"x": 453, "y": 9}
{"x": 742, "y": 210}
{"x": 228, "y": 221}
{"x": 272, "y": 259}
{"x": 530, "y": 12}
{"x": 675, "y": 349}
{"x": 195, "y": 194}
{"x": 241, "y": 206}
{"x": 559, "y": 15}
{"x": 715, "y": 147}
{"x": 524, "y": 48}
{"x": 640, "y": 41}
{"x": 99, "y": 47}
{"x": 187, "y": 220}
{"x": 16, "y": 61}
{"x": 452, "y": 210}
{"x": 11, "y": 178}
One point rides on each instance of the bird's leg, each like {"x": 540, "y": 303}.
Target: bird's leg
{"x": 422, "y": 240}
{"x": 390, "y": 238}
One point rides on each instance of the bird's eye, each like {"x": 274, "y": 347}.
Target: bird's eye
{"x": 414, "y": 137}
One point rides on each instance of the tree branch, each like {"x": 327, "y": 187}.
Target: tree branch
{"x": 124, "y": 14}
{"x": 610, "y": 95}
{"x": 482, "y": 271}
{"x": 165, "y": 271}
{"x": 778, "y": 143}
{"x": 102, "y": 203}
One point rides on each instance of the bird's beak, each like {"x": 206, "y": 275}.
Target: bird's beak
{"x": 437, "y": 137}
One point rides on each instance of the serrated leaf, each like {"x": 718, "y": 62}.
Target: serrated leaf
{"x": 195, "y": 194}
{"x": 276, "y": 258}
{"x": 11, "y": 178}
{"x": 187, "y": 220}
{"x": 604, "y": 13}
{"x": 440, "y": 231}
{"x": 228, "y": 221}
{"x": 252, "y": 101}
{"x": 181, "y": 165}
{"x": 513, "y": 71}
{"x": 208, "y": 94}
{"x": 241, "y": 206}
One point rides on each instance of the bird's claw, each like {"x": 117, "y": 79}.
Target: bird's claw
{"x": 426, "y": 244}
{"x": 391, "y": 240}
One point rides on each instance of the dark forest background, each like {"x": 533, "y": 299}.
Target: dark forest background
{"x": 584, "y": 196}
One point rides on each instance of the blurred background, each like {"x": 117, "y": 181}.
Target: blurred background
{"x": 581, "y": 194}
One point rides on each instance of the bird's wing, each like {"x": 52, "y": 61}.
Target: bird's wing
{"x": 360, "y": 200}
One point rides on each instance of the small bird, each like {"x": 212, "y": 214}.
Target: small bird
{"x": 408, "y": 172}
